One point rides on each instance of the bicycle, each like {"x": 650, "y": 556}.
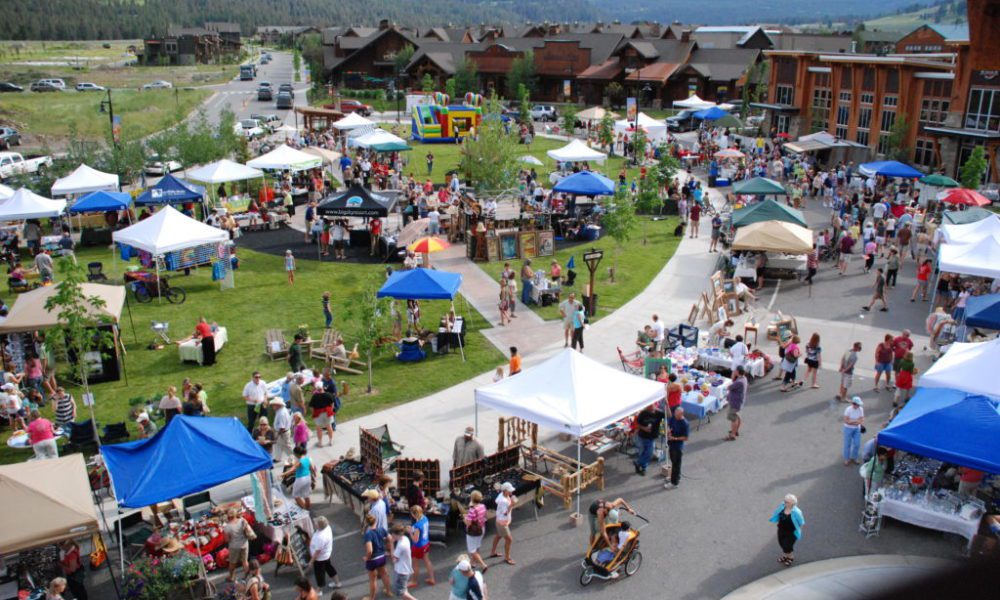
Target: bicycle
{"x": 144, "y": 293}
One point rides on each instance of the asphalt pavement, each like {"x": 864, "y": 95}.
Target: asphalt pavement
{"x": 240, "y": 97}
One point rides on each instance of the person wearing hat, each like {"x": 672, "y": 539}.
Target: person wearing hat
{"x": 376, "y": 507}
{"x": 505, "y": 507}
{"x": 467, "y": 448}
{"x": 12, "y": 405}
{"x": 854, "y": 420}
{"x": 147, "y": 428}
{"x": 465, "y": 581}
{"x": 282, "y": 430}
{"x": 169, "y": 546}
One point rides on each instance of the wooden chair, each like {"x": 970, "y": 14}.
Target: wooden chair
{"x": 322, "y": 349}
{"x": 338, "y": 363}
{"x": 275, "y": 344}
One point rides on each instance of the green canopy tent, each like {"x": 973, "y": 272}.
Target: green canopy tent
{"x": 729, "y": 121}
{"x": 938, "y": 180}
{"x": 768, "y": 210}
{"x": 759, "y": 186}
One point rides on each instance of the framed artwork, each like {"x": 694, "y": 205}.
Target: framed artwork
{"x": 546, "y": 243}
{"x": 493, "y": 248}
{"x": 693, "y": 315}
{"x": 706, "y": 306}
{"x": 717, "y": 282}
{"x": 721, "y": 313}
{"x": 733, "y": 306}
{"x": 528, "y": 247}
{"x": 651, "y": 366}
{"x": 729, "y": 286}
{"x": 508, "y": 246}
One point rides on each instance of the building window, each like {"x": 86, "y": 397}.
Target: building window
{"x": 923, "y": 153}
{"x": 170, "y": 47}
{"x": 933, "y": 111}
{"x": 781, "y": 123}
{"x": 822, "y": 100}
{"x": 864, "y": 119}
{"x": 984, "y": 109}
{"x": 784, "y": 95}
{"x": 843, "y": 114}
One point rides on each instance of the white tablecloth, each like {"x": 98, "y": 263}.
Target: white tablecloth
{"x": 790, "y": 262}
{"x": 287, "y": 511}
{"x": 923, "y": 517}
{"x": 753, "y": 366}
{"x": 190, "y": 351}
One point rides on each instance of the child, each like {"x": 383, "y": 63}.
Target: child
{"x": 327, "y": 313}
{"x": 290, "y": 266}
{"x": 498, "y": 375}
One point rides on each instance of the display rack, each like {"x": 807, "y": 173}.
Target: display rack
{"x": 371, "y": 452}
{"x": 406, "y": 467}
{"x": 514, "y": 431}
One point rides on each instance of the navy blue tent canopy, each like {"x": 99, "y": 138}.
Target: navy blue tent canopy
{"x": 983, "y": 311}
{"x": 711, "y": 114}
{"x": 586, "y": 183}
{"x": 890, "y": 168}
{"x": 421, "y": 284}
{"x": 948, "y": 425}
{"x": 171, "y": 190}
{"x": 189, "y": 455}
{"x": 101, "y": 202}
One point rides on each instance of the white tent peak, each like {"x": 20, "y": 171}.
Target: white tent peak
{"x": 25, "y": 204}
{"x": 376, "y": 137}
{"x": 168, "y": 230}
{"x": 576, "y": 150}
{"x": 571, "y": 393}
{"x": 224, "y": 171}
{"x": 966, "y": 367}
{"x": 5, "y": 192}
{"x": 285, "y": 157}
{"x": 966, "y": 233}
{"x": 85, "y": 179}
{"x": 352, "y": 121}
{"x": 981, "y": 258}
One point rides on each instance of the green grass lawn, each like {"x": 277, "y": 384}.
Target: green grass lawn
{"x": 85, "y": 51}
{"x": 263, "y": 300}
{"x": 142, "y": 113}
{"x": 637, "y": 264}
{"x": 129, "y": 77}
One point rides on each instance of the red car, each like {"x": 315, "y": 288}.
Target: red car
{"x": 351, "y": 106}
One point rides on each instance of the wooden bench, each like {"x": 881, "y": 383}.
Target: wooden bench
{"x": 275, "y": 345}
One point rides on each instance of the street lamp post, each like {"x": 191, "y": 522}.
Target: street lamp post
{"x": 109, "y": 107}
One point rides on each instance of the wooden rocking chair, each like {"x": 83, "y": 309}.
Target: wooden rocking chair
{"x": 275, "y": 344}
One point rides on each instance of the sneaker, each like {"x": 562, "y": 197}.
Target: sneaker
{"x": 865, "y": 308}
{"x": 669, "y": 486}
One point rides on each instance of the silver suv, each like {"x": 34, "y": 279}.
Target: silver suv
{"x": 543, "y": 112}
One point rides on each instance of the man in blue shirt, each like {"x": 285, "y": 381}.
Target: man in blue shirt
{"x": 677, "y": 434}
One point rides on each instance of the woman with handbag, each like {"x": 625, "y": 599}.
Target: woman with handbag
{"x": 475, "y": 528}
{"x": 257, "y": 589}
{"x": 789, "y": 363}
{"x": 305, "y": 478}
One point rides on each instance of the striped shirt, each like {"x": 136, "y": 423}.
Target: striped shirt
{"x": 64, "y": 410}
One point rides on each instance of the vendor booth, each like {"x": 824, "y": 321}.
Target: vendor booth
{"x": 85, "y": 179}
{"x": 286, "y": 158}
{"x": 356, "y": 201}
{"x": 576, "y": 151}
{"x": 5, "y": 192}
{"x": 981, "y": 258}
{"x": 352, "y": 122}
{"x": 379, "y": 140}
{"x": 971, "y": 232}
{"x": 107, "y": 203}
{"x": 585, "y": 183}
{"x": 759, "y": 186}
{"x": 25, "y": 204}
{"x": 960, "y": 217}
{"x": 169, "y": 241}
{"x": 768, "y": 210}
{"x": 595, "y": 114}
{"x": 29, "y": 315}
{"x": 171, "y": 190}
{"x": 774, "y": 236}
{"x": 890, "y": 168}
{"x": 983, "y": 311}
{"x": 571, "y": 394}
{"x": 969, "y": 368}
{"x": 222, "y": 172}
{"x": 428, "y": 284}
{"x": 656, "y": 130}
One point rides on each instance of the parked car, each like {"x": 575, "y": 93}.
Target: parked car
{"x": 682, "y": 121}
{"x": 355, "y": 106}
{"x": 544, "y": 112}
{"x": 59, "y": 83}
{"x": 86, "y": 86}
{"x": 286, "y": 87}
{"x": 266, "y": 84}
{"x": 14, "y": 163}
{"x": 43, "y": 86}
{"x": 264, "y": 94}
{"x": 249, "y": 128}
{"x": 9, "y": 137}
{"x": 6, "y": 86}
{"x": 285, "y": 101}
{"x": 157, "y": 166}
{"x": 266, "y": 119}
{"x": 158, "y": 85}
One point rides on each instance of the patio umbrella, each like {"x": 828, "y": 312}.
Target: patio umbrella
{"x": 966, "y": 197}
{"x": 531, "y": 160}
{"x": 426, "y": 245}
{"x": 938, "y": 180}
{"x": 711, "y": 114}
{"x": 729, "y": 153}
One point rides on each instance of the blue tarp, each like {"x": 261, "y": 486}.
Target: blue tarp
{"x": 948, "y": 425}
{"x": 891, "y": 168}
{"x": 711, "y": 114}
{"x": 101, "y": 202}
{"x": 983, "y": 311}
{"x": 586, "y": 183}
{"x": 421, "y": 284}
{"x": 170, "y": 190}
{"x": 190, "y": 455}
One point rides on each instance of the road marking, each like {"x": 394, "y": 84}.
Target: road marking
{"x": 774, "y": 296}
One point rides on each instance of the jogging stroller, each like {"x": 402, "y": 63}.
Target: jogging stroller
{"x": 606, "y": 563}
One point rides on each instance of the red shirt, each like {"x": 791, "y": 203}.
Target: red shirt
{"x": 923, "y": 272}
{"x": 674, "y": 396}
{"x": 901, "y": 345}
{"x": 375, "y": 226}
{"x": 203, "y": 329}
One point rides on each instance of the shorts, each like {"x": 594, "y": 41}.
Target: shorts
{"x": 375, "y": 564}
{"x": 568, "y": 325}
{"x": 419, "y": 552}
{"x": 473, "y": 542}
{"x": 846, "y": 379}
{"x": 733, "y": 415}
{"x": 238, "y": 556}
{"x": 503, "y": 529}
{"x": 321, "y": 418}
{"x": 812, "y": 364}
{"x": 883, "y": 367}
{"x": 399, "y": 581}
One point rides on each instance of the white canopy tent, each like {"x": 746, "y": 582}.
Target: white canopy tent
{"x": 981, "y": 259}
{"x": 25, "y": 204}
{"x": 286, "y": 158}
{"x": 224, "y": 171}
{"x": 969, "y": 368}
{"x": 5, "y": 192}
{"x": 376, "y": 137}
{"x": 352, "y": 121}
{"x": 656, "y": 131}
{"x": 595, "y": 113}
{"x": 693, "y": 101}
{"x": 970, "y": 233}
{"x": 576, "y": 151}
{"x": 85, "y": 179}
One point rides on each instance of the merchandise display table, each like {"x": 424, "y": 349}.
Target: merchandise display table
{"x": 924, "y": 516}
{"x": 190, "y": 351}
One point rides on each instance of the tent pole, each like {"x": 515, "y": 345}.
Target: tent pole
{"x": 121, "y": 541}
{"x": 128, "y": 307}
{"x": 477, "y": 419}
{"x": 580, "y": 483}
{"x": 104, "y": 519}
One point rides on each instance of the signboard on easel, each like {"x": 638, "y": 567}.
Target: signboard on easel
{"x": 593, "y": 259}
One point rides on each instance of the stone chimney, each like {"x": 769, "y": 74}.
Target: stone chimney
{"x": 384, "y": 24}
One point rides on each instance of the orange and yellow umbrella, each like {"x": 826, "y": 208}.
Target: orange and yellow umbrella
{"x": 426, "y": 245}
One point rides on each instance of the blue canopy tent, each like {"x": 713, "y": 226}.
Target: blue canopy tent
{"x": 711, "y": 114}
{"x": 102, "y": 201}
{"x": 890, "y": 168}
{"x": 423, "y": 284}
{"x": 983, "y": 311}
{"x": 948, "y": 425}
{"x": 171, "y": 190}
{"x": 586, "y": 183}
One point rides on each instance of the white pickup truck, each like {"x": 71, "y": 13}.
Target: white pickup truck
{"x": 13, "y": 163}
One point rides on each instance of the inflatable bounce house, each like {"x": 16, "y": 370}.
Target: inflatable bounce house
{"x": 441, "y": 121}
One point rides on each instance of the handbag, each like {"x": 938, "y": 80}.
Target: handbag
{"x": 100, "y": 552}
{"x": 474, "y": 527}
{"x": 864, "y": 430}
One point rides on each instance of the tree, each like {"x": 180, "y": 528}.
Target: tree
{"x": 569, "y": 118}
{"x": 522, "y": 73}
{"x": 639, "y": 143}
{"x": 619, "y": 222}
{"x": 296, "y": 63}
{"x": 524, "y": 104}
{"x": 450, "y": 87}
{"x": 427, "y": 83}
{"x": 311, "y": 45}
{"x": 898, "y": 133}
{"x": 402, "y": 58}
{"x": 371, "y": 314}
{"x": 753, "y": 89}
{"x": 466, "y": 78}
{"x": 490, "y": 161}
{"x": 647, "y": 202}
{"x": 972, "y": 171}
{"x": 615, "y": 93}
{"x": 79, "y": 319}
{"x": 606, "y": 133}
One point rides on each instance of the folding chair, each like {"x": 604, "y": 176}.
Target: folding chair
{"x": 197, "y": 505}
{"x": 95, "y": 272}
{"x": 133, "y": 531}
{"x": 275, "y": 345}
{"x": 390, "y": 449}
{"x": 322, "y": 350}
{"x": 632, "y": 363}
{"x": 114, "y": 432}
{"x": 81, "y": 438}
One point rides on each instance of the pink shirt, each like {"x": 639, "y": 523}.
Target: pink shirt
{"x": 34, "y": 368}
{"x": 300, "y": 433}
{"x": 40, "y": 430}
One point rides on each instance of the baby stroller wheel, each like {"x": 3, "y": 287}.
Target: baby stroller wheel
{"x": 633, "y": 564}
{"x": 587, "y": 576}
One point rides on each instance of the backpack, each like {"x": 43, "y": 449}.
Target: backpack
{"x": 474, "y": 527}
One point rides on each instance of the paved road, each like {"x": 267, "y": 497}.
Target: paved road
{"x": 241, "y": 96}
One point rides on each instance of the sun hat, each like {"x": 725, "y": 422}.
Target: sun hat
{"x": 507, "y": 487}
{"x": 464, "y": 566}
{"x": 857, "y": 400}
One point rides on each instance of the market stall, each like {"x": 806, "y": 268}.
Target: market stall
{"x": 969, "y": 233}
{"x": 171, "y": 190}
{"x": 959, "y": 217}
{"x": 379, "y": 140}
{"x": 428, "y": 284}
{"x": 767, "y": 210}
{"x": 979, "y": 258}
{"x": 25, "y": 204}
{"x": 5, "y": 192}
{"x": 656, "y": 130}
{"x": 85, "y": 179}
{"x": 224, "y": 171}
{"x": 576, "y": 151}
{"x": 890, "y": 168}
{"x": 970, "y": 368}
{"x": 285, "y": 158}
{"x": 774, "y": 236}
{"x": 169, "y": 240}
{"x": 356, "y": 201}
{"x": 983, "y": 311}
{"x": 353, "y": 122}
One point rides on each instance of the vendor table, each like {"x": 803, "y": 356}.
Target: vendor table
{"x": 697, "y": 406}
{"x": 922, "y": 516}
{"x": 286, "y": 513}
{"x": 785, "y": 262}
{"x": 548, "y": 288}
{"x": 453, "y": 338}
{"x": 274, "y": 387}
{"x": 190, "y": 351}
{"x": 95, "y": 236}
{"x": 19, "y": 439}
{"x": 720, "y": 359}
